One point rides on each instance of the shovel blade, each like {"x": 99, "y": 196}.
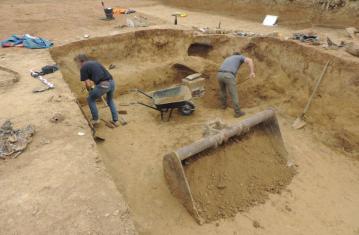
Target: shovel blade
{"x": 98, "y": 139}
{"x": 299, "y": 123}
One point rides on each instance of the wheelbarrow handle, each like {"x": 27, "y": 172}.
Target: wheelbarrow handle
{"x": 144, "y": 93}
{"x": 149, "y": 106}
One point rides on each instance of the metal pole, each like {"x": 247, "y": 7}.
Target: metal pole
{"x": 215, "y": 140}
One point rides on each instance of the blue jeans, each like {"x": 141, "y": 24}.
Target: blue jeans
{"x": 100, "y": 90}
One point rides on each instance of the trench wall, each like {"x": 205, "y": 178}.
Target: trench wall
{"x": 143, "y": 59}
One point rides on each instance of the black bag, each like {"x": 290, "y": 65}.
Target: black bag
{"x": 49, "y": 69}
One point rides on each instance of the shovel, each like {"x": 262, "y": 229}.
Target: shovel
{"x": 299, "y": 122}
{"x": 95, "y": 137}
{"x": 241, "y": 82}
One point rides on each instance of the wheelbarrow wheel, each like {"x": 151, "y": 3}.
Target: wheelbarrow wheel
{"x": 187, "y": 109}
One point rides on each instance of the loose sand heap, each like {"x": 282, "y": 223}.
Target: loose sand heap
{"x": 237, "y": 176}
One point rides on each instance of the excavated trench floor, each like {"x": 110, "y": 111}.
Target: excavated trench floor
{"x": 156, "y": 58}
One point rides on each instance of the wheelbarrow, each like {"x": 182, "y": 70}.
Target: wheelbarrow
{"x": 166, "y": 100}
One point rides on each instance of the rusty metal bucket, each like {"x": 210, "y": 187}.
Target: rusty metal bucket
{"x": 173, "y": 162}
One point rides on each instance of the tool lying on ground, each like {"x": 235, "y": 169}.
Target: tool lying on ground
{"x": 166, "y": 100}
{"x": 40, "y": 89}
{"x": 299, "y": 122}
{"x": 45, "y": 70}
{"x": 173, "y": 162}
{"x": 94, "y": 135}
{"x": 43, "y": 80}
{"x": 121, "y": 119}
{"x": 108, "y": 124}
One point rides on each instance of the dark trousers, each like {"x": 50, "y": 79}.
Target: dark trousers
{"x": 97, "y": 92}
{"x": 228, "y": 83}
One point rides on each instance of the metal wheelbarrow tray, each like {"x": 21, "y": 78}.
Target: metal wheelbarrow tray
{"x": 166, "y": 100}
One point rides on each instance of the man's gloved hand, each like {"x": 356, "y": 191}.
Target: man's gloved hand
{"x": 90, "y": 88}
{"x": 87, "y": 88}
{"x": 89, "y": 85}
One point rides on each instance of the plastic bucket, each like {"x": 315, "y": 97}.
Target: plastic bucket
{"x": 109, "y": 13}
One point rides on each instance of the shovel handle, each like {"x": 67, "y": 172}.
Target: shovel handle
{"x": 144, "y": 93}
{"x": 243, "y": 81}
{"x": 315, "y": 89}
{"x": 96, "y": 138}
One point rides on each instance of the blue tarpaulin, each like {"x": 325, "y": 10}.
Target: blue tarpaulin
{"x": 27, "y": 41}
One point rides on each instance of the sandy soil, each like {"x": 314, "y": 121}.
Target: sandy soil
{"x": 60, "y": 185}
{"x": 7, "y": 78}
{"x": 56, "y": 186}
{"x": 233, "y": 178}
{"x": 328, "y": 13}
{"x": 306, "y": 207}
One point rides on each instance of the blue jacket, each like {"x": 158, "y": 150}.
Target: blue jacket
{"x": 28, "y": 41}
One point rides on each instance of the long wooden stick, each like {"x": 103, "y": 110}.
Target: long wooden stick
{"x": 315, "y": 89}
{"x": 96, "y": 138}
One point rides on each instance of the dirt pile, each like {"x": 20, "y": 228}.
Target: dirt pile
{"x": 342, "y": 13}
{"x": 236, "y": 176}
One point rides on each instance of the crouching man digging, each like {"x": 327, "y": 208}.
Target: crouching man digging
{"x": 227, "y": 78}
{"x": 98, "y": 82}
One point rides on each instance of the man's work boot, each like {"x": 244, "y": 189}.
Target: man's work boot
{"x": 239, "y": 114}
{"x": 115, "y": 123}
{"x": 95, "y": 123}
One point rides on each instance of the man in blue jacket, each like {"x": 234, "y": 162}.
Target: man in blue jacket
{"x": 98, "y": 81}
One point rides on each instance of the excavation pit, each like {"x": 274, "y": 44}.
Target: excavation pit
{"x": 156, "y": 58}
